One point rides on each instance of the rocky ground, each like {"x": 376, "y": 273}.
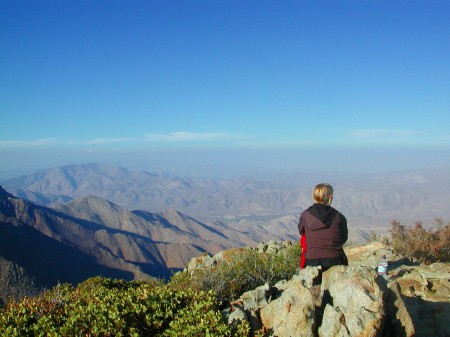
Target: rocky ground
{"x": 414, "y": 299}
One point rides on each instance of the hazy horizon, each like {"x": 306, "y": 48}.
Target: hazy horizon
{"x": 232, "y": 162}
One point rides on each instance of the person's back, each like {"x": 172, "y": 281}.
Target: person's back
{"x": 325, "y": 229}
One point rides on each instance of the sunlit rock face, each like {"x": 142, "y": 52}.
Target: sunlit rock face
{"x": 351, "y": 300}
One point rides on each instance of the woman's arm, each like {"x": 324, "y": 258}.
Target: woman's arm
{"x": 344, "y": 228}
{"x": 301, "y": 225}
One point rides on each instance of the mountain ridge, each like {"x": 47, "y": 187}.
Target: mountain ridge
{"x": 91, "y": 236}
{"x": 367, "y": 200}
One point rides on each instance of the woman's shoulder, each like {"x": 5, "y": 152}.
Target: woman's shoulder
{"x": 342, "y": 216}
{"x": 307, "y": 210}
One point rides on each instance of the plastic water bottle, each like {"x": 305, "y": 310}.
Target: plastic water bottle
{"x": 383, "y": 266}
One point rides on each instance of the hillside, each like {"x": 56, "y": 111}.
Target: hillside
{"x": 91, "y": 236}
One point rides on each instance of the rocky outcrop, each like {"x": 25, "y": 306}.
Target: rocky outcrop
{"x": 417, "y": 296}
{"x": 419, "y": 299}
{"x": 353, "y": 301}
{"x": 348, "y": 302}
{"x": 414, "y": 300}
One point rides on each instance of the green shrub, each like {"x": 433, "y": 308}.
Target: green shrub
{"x": 424, "y": 245}
{"x": 106, "y": 307}
{"x": 242, "y": 270}
{"x": 187, "y": 306}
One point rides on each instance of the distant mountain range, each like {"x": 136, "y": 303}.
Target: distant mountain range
{"x": 154, "y": 192}
{"x": 258, "y": 203}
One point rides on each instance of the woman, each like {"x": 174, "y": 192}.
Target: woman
{"x": 325, "y": 230}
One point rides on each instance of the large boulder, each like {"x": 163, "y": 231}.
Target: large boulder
{"x": 291, "y": 314}
{"x": 348, "y": 302}
{"x": 399, "y": 321}
{"x": 353, "y": 302}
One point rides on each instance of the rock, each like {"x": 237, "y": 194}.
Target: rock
{"x": 197, "y": 262}
{"x": 334, "y": 325}
{"x": 440, "y": 288}
{"x": 347, "y": 301}
{"x": 257, "y": 298}
{"x": 237, "y": 313}
{"x": 356, "y": 300}
{"x": 253, "y": 301}
{"x": 425, "y": 292}
{"x": 429, "y": 282}
{"x": 309, "y": 276}
{"x": 362, "y": 252}
{"x": 272, "y": 247}
{"x": 399, "y": 322}
{"x": 291, "y": 314}
{"x": 369, "y": 255}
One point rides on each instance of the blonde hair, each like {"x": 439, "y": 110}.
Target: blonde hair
{"x": 323, "y": 194}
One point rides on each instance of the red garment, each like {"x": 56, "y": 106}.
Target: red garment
{"x": 302, "y": 258}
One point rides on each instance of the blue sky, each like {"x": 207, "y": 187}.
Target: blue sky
{"x": 333, "y": 85}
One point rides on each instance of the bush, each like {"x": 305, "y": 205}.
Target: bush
{"x": 418, "y": 243}
{"x": 241, "y": 271}
{"x": 106, "y": 307}
{"x": 187, "y": 306}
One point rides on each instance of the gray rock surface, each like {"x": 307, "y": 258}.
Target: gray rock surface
{"x": 414, "y": 300}
{"x": 354, "y": 302}
{"x": 291, "y": 314}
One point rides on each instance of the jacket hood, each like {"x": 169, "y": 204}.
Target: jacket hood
{"x": 324, "y": 213}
